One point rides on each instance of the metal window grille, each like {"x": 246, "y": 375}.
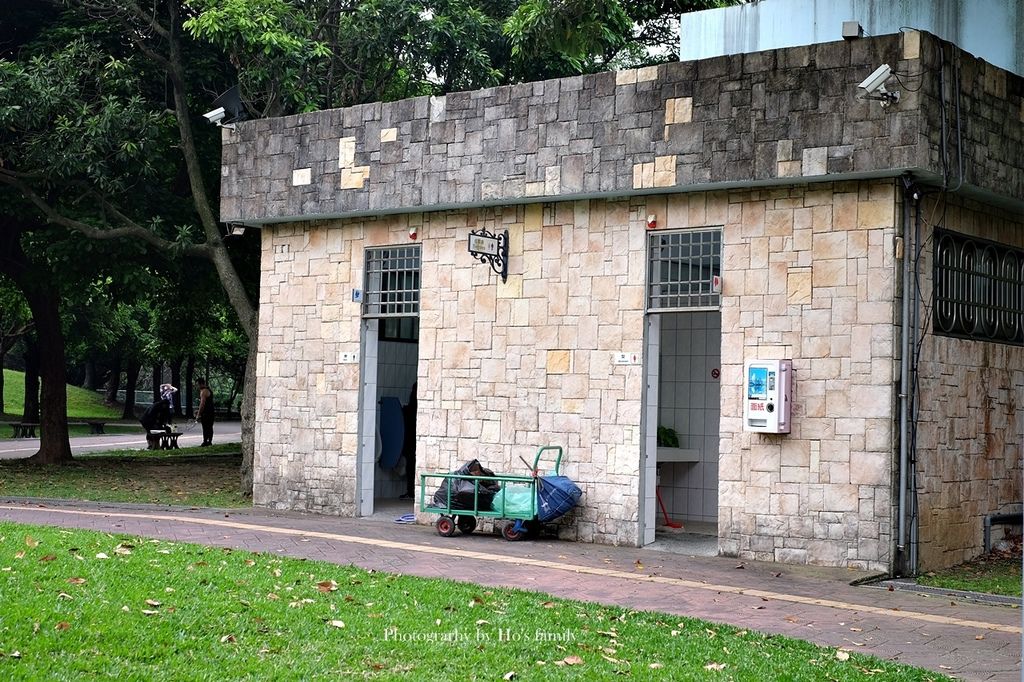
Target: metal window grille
{"x": 979, "y": 289}
{"x": 681, "y": 270}
{"x": 392, "y": 286}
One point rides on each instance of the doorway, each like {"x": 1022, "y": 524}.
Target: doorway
{"x": 682, "y": 400}
{"x": 389, "y": 368}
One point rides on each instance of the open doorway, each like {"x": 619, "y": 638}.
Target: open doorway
{"x": 689, "y": 412}
{"x": 389, "y": 369}
{"x": 683, "y": 406}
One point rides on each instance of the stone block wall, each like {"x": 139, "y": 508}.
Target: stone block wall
{"x": 503, "y": 367}
{"x": 970, "y": 436}
{"x": 809, "y": 275}
{"x": 758, "y": 118}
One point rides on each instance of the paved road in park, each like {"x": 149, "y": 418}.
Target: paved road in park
{"x": 223, "y": 432}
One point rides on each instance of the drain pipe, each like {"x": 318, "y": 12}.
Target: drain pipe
{"x": 909, "y": 194}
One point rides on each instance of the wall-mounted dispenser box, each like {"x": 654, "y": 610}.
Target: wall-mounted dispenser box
{"x": 767, "y": 395}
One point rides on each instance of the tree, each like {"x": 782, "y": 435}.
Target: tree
{"x": 79, "y": 142}
{"x": 34, "y": 281}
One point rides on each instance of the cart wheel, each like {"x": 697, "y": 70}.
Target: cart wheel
{"x": 533, "y": 529}
{"x": 510, "y": 533}
{"x": 445, "y": 526}
{"x": 467, "y": 524}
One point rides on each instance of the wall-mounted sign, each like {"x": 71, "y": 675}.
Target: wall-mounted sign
{"x": 490, "y": 248}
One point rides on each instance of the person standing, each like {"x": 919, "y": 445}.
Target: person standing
{"x": 204, "y": 415}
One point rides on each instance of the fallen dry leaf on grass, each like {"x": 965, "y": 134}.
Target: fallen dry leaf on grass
{"x": 19, "y": 555}
{"x": 31, "y": 541}
{"x": 152, "y": 602}
{"x": 714, "y": 666}
{"x": 226, "y": 639}
{"x": 570, "y": 660}
{"x": 337, "y": 623}
{"x": 510, "y": 675}
{"x": 76, "y": 581}
{"x": 327, "y": 586}
{"x": 842, "y": 655}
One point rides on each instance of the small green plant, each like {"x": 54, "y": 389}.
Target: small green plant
{"x": 667, "y": 437}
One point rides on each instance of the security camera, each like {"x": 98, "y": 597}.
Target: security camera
{"x": 876, "y": 80}
{"x": 215, "y": 116}
{"x": 873, "y": 87}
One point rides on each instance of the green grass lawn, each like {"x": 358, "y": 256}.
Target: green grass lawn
{"x": 994, "y": 573}
{"x": 199, "y": 477}
{"x": 81, "y": 605}
{"x": 81, "y": 403}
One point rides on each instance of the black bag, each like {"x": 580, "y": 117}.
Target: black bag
{"x": 465, "y": 491}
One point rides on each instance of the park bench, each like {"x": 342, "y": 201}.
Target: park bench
{"x": 23, "y": 430}
{"x": 95, "y": 427}
{"x": 163, "y": 440}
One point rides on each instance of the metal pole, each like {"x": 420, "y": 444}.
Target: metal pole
{"x": 904, "y": 377}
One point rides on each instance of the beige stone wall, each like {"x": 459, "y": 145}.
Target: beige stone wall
{"x": 809, "y": 275}
{"x": 306, "y": 403}
{"x": 505, "y": 368}
{"x": 969, "y": 436}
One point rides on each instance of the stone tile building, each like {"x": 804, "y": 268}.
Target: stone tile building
{"x": 664, "y": 225}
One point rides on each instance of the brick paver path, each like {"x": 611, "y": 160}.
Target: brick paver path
{"x": 970, "y": 641}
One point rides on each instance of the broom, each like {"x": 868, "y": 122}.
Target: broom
{"x": 668, "y": 522}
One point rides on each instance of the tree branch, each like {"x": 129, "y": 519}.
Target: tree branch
{"x": 129, "y": 228}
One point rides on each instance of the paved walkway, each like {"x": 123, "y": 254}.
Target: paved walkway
{"x": 192, "y": 435}
{"x": 970, "y": 641}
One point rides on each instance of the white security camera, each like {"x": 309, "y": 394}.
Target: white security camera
{"x": 215, "y": 116}
{"x": 876, "y": 81}
{"x": 873, "y": 87}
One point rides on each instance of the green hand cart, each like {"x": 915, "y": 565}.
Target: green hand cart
{"x": 461, "y": 510}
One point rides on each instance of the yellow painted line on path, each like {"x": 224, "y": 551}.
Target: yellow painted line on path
{"x": 541, "y": 563}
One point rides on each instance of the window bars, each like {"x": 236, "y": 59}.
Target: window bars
{"x": 681, "y": 270}
{"x": 392, "y": 287}
{"x": 978, "y": 289}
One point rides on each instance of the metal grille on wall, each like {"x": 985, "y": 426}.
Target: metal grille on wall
{"x": 979, "y": 289}
{"x": 392, "y": 286}
{"x": 683, "y": 269}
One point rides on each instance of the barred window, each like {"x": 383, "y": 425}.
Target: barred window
{"x": 979, "y": 289}
{"x": 392, "y": 286}
{"x": 682, "y": 270}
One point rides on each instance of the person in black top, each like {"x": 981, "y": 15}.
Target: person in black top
{"x": 157, "y": 417}
{"x": 204, "y": 415}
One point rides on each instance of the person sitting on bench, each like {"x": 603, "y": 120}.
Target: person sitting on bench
{"x": 157, "y": 417}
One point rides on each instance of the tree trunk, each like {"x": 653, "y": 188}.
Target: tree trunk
{"x": 190, "y": 370}
{"x": 176, "y": 381}
{"x": 43, "y": 300}
{"x": 158, "y": 378}
{"x": 131, "y": 379}
{"x": 248, "y": 416}
{"x": 2, "y": 356}
{"x": 30, "y": 409}
{"x": 113, "y": 381}
{"x": 89, "y": 382}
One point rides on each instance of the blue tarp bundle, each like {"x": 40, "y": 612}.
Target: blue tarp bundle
{"x": 556, "y": 495}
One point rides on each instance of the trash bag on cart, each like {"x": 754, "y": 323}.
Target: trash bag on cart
{"x": 464, "y": 491}
{"x": 515, "y": 501}
{"x": 556, "y": 495}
